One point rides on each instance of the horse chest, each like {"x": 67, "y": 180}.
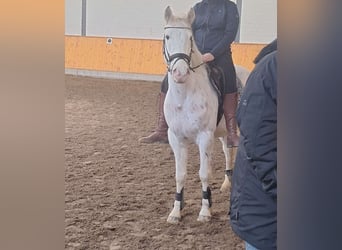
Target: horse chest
{"x": 189, "y": 116}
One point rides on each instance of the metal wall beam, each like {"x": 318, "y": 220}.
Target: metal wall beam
{"x": 239, "y": 7}
{"x": 84, "y": 18}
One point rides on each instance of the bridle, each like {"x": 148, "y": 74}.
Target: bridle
{"x": 178, "y": 56}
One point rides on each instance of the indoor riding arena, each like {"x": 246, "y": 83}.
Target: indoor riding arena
{"x": 118, "y": 191}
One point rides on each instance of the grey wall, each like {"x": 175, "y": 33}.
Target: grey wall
{"x": 73, "y": 11}
{"x": 258, "y": 21}
{"x": 130, "y": 18}
{"x": 144, "y": 18}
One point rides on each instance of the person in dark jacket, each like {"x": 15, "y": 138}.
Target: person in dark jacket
{"x": 272, "y": 46}
{"x": 214, "y": 29}
{"x": 253, "y": 199}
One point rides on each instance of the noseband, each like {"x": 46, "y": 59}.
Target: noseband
{"x": 178, "y": 56}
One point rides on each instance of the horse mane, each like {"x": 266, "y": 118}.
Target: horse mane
{"x": 197, "y": 56}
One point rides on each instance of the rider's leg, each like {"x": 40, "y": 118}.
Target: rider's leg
{"x": 160, "y": 133}
{"x": 230, "y": 100}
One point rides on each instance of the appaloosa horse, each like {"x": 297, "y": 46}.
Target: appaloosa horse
{"x": 191, "y": 110}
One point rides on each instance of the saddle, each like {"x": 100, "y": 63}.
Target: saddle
{"x": 216, "y": 78}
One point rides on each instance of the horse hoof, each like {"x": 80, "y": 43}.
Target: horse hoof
{"x": 224, "y": 187}
{"x": 173, "y": 219}
{"x": 203, "y": 218}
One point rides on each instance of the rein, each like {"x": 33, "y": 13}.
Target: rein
{"x": 178, "y": 56}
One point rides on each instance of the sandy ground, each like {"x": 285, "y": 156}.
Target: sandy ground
{"x": 119, "y": 192}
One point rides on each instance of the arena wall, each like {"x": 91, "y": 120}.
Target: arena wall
{"x": 135, "y": 28}
{"x": 137, "y": 56}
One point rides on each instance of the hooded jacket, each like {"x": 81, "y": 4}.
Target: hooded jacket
{"x": 253, "y": 200}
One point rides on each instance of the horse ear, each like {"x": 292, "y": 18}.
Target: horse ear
{"x": 168, "y": 13}
{"x": 191, "y": 15}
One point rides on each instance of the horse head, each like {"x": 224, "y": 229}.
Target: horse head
{"x": 178, "y": 44}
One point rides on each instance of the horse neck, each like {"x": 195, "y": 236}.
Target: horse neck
{"x": 196, "y": 57}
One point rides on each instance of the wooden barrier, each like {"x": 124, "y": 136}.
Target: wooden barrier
{"x": 142, "y": 56}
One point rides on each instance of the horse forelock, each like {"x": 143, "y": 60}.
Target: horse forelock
{"x": 180, "y": 20}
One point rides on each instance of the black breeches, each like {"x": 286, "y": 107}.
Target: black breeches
{"x": 225, "y": 62}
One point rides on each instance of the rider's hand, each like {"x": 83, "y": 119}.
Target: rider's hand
{"x": 207, "y": 57}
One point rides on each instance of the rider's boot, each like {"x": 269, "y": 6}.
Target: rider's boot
{"x": 229, "y": 107}
{"x": 160, "y": 133}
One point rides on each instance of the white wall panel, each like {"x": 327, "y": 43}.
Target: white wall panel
{"x": 258, "y": 21}
{"x": 130, "y": 18}
{"x": 73, "y": 17}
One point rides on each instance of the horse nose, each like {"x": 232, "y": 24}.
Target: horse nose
{"x": 179, "y": 77}
{"x": 177, "y": 72}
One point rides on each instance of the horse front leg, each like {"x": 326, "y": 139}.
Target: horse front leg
{"x": 230, "y": 156}
{"x": 181, "y": 154}
{"x": 205, "y": 144}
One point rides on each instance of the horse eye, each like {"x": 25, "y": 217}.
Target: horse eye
{"x": 167, "y": 37}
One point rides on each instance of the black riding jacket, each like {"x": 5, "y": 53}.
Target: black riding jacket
{"x": 215, "y": 26}
{"x": 253, "y": 200}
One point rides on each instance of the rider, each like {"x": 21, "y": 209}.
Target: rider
{"x": 214, "y": 29}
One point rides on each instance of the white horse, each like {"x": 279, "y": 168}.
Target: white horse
{"x": 191, "y": 108}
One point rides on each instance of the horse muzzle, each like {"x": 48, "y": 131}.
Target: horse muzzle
{"x": 180, "y": 76}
